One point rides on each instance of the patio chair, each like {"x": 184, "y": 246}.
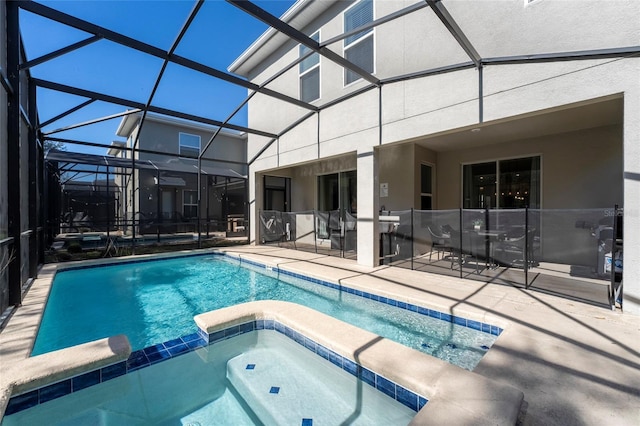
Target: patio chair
{"x": 440, "y": 243}
{"x": 462, "y": 250}
{"x": 511, "y": 250}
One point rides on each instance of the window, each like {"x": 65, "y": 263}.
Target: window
{"x": 504, "y": 184}
{"x": 310, "y": 73}
{"x": 277, "y": 193}
{"x": 338, "y": 191}
{"x": 426, "y": 187}
{"x": 358, "y": 48}
{"x": 189, "y": 145}
{"x": 190, "y": 204}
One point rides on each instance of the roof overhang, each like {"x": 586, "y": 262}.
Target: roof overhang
{"x": 301, "y": 14}
{"x": 116, "y": 148}
{"x": 129, "y": 123}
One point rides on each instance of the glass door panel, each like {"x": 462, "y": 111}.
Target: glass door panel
{"x": 479, "y": 185}
{"x": 519, "y": 183}
{"x": 328, "y": 193}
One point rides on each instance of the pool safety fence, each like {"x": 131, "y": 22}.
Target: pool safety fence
{"x": 332, "y": 232}
{"x": 544, "y": 249}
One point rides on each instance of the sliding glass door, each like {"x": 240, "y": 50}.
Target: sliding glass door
{"x": 338, "y": 191}
{"x": 503, "y": 184}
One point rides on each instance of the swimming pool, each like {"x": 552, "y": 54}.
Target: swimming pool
{"x": 260, "y": 377}
{"x": 155, "y": 301}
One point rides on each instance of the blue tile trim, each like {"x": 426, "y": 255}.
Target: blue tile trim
{"x": 461, "y": 321}
{"x": 85, "y": 380}
{"x": 137, "y": 360}
{"x": 55, "y": 390}
{"x": 390, "y": 388}
{"x": 22, "y": 402}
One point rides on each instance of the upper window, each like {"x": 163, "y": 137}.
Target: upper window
{"x": 189, "y": 145}
{"x": 358, "y": 48}
{"x": 310, "y": 73}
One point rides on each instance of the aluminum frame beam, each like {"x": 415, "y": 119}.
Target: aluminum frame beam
{"x": 14, "y": 216}
{"x": 301, "y": 38}
{"x": 138, "y": 105}
{"x": 141, "y": 150}
{"x": 72, "y": 21}
{"x": 5, "y": 82}
{"x": 390, "y": 17}
{"x": 165, "y": 62}
{"x": 59, "y": 52}
{"x": 94, "y": 121}
{"x": 447, "y": 20}
{"x": 578, "y": 55}
{"x": 64, "y": 114}
{"x": 289, "y": 128}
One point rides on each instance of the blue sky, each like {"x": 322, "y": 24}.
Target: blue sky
{"x": 218, "y": 35}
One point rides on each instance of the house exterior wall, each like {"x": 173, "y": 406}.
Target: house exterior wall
{"x": 164, "y": 137}
{"x": 410, "y": 110}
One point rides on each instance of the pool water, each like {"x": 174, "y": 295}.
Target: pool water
{"x": 261, "y": 377}
{"x": 153, "y": 302}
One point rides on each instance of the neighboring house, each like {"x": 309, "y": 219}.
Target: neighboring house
{"x": 465, "y": 111}
{"x": 167, "y": 194}
{"x": 88, "y": 204}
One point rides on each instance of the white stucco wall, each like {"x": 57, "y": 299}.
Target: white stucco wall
{"x": 546, "y": 26}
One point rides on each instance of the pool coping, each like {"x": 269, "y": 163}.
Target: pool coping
{"x": 48, "y": 273}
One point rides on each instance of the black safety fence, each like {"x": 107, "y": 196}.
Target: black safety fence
{"x": 333, "y": 233}
{"x": 100, "y": 211}
{"x": 575, "y": 253}
{"x": 115, "y": 238}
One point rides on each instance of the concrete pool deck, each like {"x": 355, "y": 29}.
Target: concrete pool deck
{"x": 576, "y": 363}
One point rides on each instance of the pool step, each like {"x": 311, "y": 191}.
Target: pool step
{"x": 285, "y": 387}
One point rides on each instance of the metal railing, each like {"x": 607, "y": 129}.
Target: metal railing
{"x": 575, "y": 253}
{"x": 119, "y": 236}
{"x": 330, "y": 232}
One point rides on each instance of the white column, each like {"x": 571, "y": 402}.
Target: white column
{"x": 368, "y": 206}
{"x": 631, "y": 265}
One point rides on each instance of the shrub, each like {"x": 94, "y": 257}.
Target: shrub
{"x": 63, "y": 256}
{"x": 94, "y": 255}
{"x": 74, "y": 248}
